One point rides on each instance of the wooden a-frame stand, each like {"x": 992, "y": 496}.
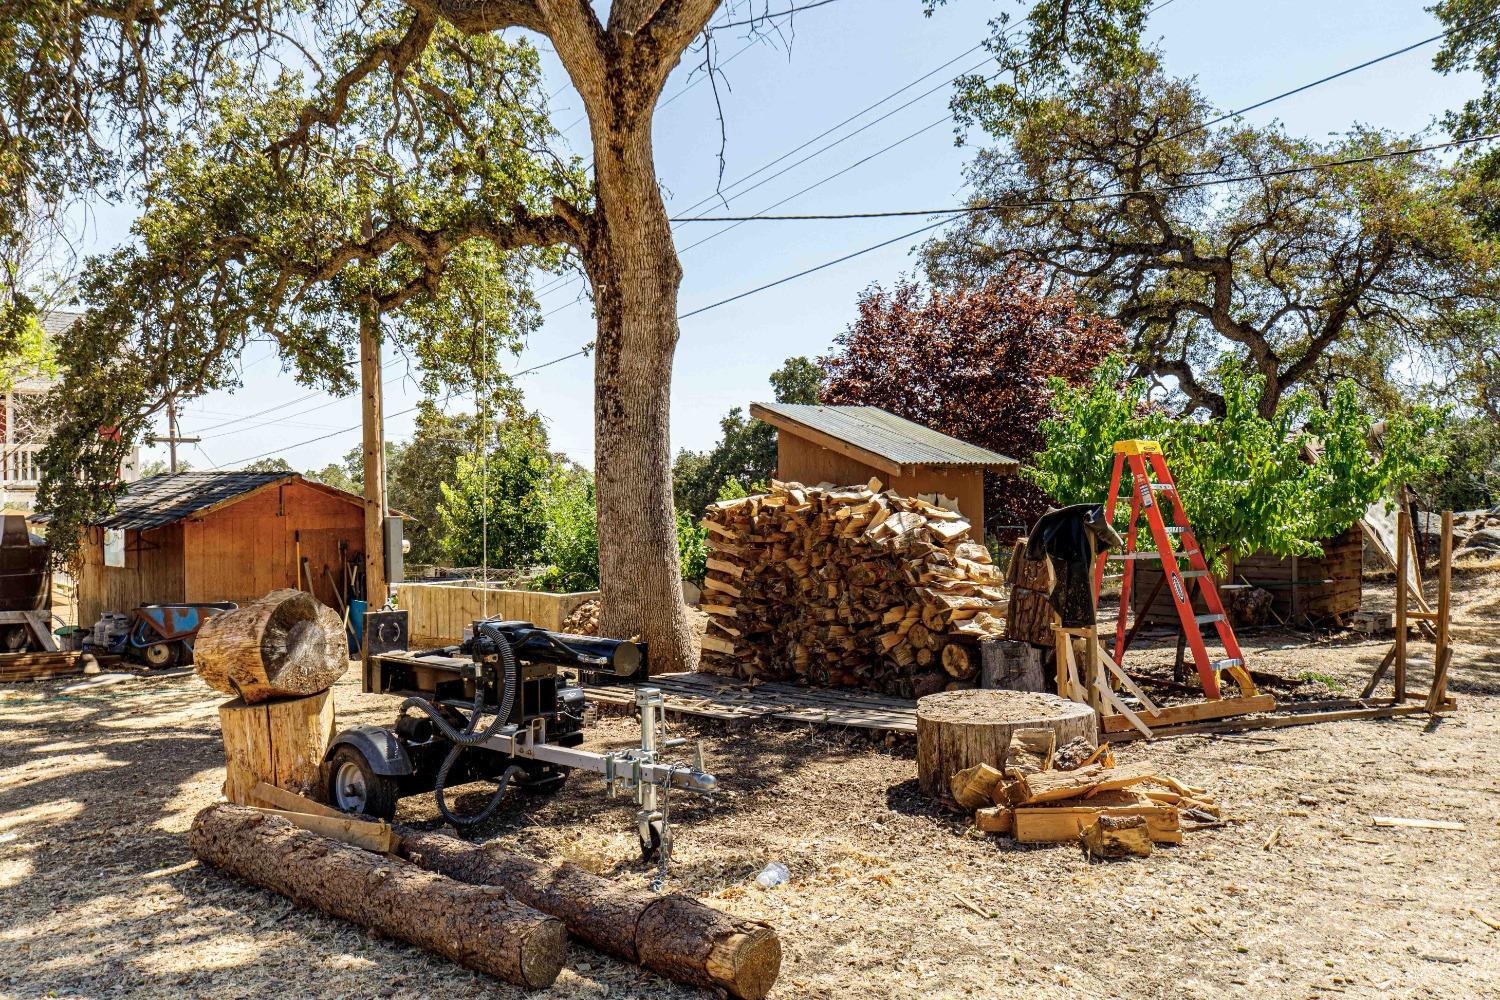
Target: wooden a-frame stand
{"x": 1439, "y": 619}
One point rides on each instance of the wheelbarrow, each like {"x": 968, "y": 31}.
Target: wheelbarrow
{"x": 161, "y": 635}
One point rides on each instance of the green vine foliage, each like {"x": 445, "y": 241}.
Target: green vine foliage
{"x": 1247, "y": 481}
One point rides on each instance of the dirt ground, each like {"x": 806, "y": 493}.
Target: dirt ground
{"x": 889, "y": 897}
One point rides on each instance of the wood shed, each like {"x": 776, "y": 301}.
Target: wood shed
{"x": 848, "y": 445}
{"x": 1304, "y": 589}
{"x": 216, "y": 536}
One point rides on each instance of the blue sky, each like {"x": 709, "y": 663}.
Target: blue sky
{"x": 842, "y": 58}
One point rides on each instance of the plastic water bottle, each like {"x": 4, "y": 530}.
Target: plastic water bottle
{"x": 772, "y": 875}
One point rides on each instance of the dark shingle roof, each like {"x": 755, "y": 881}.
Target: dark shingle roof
{"x": 57, "y": 322}
{"x": 873, "y": 430}
{"x": 160, "y": 500}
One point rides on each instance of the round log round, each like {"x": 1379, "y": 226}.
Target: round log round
{"x": 958, "y": 729}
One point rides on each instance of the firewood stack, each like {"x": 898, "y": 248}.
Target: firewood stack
{"x": 847, "y": 587}
{"x": 1046, "y": 794}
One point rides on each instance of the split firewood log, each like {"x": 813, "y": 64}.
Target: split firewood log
{"x": 286, "y": 644}
{"x": 672, "y": 935}
{"x": 481, "y": 927}
{"x": 1117, "y": 837}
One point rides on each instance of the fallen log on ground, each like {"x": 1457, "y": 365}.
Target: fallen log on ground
{"x": 286, "y": 644}
{"x": 673, "y": 936}
{"x": 480, "y": 927}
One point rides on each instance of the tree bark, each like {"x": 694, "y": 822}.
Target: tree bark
{"x": 673, "y": 936}
{"x": 480, "y": 927}
{"x": 633, "y": 266}
{"x": 284, "y": 645}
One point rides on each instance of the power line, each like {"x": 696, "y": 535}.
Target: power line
{"x": 772, "y": 15}
{"x": 1086, "y": 198}
{"x": 722, "y": 192}
{"x": 1329, "y": 78}
{"x": 398, "y": 413}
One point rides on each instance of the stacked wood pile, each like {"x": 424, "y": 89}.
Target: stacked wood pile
{"x": 45, "y": 666}
{"x": 847, "y": 587}
{"x": 1077, "y": 793}
{"x": 585, "y": 618}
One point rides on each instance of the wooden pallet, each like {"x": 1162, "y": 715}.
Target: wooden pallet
{"x": 710, "y": 697}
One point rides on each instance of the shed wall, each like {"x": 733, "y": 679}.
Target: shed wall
{"x": 238, "y": 553}
{"x": 1302, "y": 588}
{"x": 245, "y": 550}
{"x": 152, "y": 572}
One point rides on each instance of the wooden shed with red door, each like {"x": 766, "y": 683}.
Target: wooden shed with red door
{"x": 846, "y": 445}
{"x": 194, "y": 537}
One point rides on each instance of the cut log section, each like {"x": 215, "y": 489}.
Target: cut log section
{"x": 284, "y": 645}
{"x": 480, "y": 927}
{"x": 959, "y": 729}
{"x": 673, "y": 936}
{"x": 280, "y": 743}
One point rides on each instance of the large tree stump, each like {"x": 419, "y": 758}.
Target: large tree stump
{"x": 279, "y": 742}
{"x": 673, "y": 936}
{"x": 480, "y": 927}
{"x": 959, "y": 729}
{"x": 284, "y": 644}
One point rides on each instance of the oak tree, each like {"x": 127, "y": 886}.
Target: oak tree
{"x": 1209, "y": 238}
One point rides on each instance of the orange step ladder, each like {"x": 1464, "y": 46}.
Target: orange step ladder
{"x": 1152, "y": 489}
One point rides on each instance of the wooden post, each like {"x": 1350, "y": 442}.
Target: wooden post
{"x": 1403, "y": 547}
{"x": 374, "y": 456}
{"x": 1443, "y": 652}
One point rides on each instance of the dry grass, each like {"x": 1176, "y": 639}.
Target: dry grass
{"x": 101, "y": 898}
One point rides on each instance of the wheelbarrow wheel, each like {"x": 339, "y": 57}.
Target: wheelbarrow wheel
{"x": 161, "y": 654}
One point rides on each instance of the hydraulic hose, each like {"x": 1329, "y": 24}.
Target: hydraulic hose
{"x": 471, "y": 735}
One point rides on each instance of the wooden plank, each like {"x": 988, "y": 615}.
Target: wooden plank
{"x": 1063, "y": 824}
{"x": 1417, "y": 824}
{"x": 1273, "y": 722}
{"x": 370, "y": 835}
{"x": 1444, "y": 655}
{"x": 268, "y": 796}
{"x": 1173, "y": 715}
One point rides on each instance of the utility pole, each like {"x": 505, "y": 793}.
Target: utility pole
{"x": 374, "y": 448}
{"x": 173, "y": 439}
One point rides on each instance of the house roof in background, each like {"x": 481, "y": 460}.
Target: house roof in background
{"x": 873, "y": 431}
{"x": 57, "y": 322}
{"x": 157, "y": 501}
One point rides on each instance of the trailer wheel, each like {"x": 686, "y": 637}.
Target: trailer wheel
{"x": 354, "y": 787}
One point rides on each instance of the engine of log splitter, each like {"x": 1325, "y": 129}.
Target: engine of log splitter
{"x": 505, "y": 706}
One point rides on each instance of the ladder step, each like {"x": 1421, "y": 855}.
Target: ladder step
{"x": 1128, "y": 556}
{"x": 1175, "y": 529}
{"x": 1207, "y": 619}
{"x": 1162, "y": 487}
{"x": 1233, "y": 661}
{"x": 1193, "y": 574}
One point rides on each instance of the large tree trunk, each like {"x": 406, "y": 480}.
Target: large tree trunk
{"x": 480, "y": 927}
{"x": 671, "y": 935}
{"x": 633, "y": 266}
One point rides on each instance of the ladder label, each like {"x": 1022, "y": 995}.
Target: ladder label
{"x": 1177, "y": 588}
{"x": 1144, "y": 489}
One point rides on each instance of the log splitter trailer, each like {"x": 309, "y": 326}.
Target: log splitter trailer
{"x": 511, "y": 671}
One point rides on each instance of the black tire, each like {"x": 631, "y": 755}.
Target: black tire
{"x": 354, "y": 787}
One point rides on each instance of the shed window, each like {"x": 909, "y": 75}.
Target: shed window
{"x": 114, "y": 547}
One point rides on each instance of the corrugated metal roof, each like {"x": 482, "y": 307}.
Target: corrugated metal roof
{"x": 160, "y": 500}
{"x": 893, "y": 438}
